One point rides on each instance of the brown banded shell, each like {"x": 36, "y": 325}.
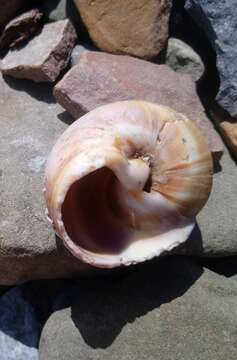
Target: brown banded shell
{"x": 124, "y": 182}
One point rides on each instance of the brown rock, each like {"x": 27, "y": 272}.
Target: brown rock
{"x": 44, "y": 56}
{"x": 8, "y": 8}
{"x": 227, "y": 126}
{"x": 21, "y": 28}
{"x": 100, "y": 78}
{"x": 138, "y": 27}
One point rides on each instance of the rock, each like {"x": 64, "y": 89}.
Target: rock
{"x": 182, "y": 58}
{"x": 171, "y": 307}
{"x": 218, "y": 22}
{"x": 21, "y": 28}
{"x": 100, "y": 78}
{"x": 78, "y": 50}
{"x": 30, "y": 123}
{"x": 54, "y": 10}
{"x": 227, "y": 127}
{"x": 43, "y": 58}
{"x": 138, "y": 28}
{"x": 8, "y": 9}
{"x": 216, "y": 231}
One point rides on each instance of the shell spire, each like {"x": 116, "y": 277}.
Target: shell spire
{"x": 124, "y": 183}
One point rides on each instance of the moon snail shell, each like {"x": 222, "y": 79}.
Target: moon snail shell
{"x": 124, "y": 183}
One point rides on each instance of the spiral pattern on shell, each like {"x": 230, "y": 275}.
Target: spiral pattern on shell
{"x": 124, "y": 182}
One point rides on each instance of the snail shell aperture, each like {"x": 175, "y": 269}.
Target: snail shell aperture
{"x": 124, "y": 183}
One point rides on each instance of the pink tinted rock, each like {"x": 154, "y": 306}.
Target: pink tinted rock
{"x": 100, "y": 78}
{"x": 44, "y": 56}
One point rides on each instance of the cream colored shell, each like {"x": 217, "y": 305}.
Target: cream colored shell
{"x": 124, "y": 182}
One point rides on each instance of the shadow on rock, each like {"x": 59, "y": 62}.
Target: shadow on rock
{"x": 226, "y": 266}
{"x": 39, "y": 91}
{"x": 216, "y": 157}
{"x": 66, "y": 117}
{"x": 101, "y": 308}
{"x": 23, "y": 311}
{"x": 193, "y": 245}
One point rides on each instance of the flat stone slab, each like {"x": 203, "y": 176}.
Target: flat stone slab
{"x": 21, "y": 28}
{"x": 216, "y": 231}
{"x": 44, "y": 56}
{"x": 168, "y": 309}
{"x": 30, "y": 123}
{"x": 99, "y": 78}
{"x": 29, "y": 127}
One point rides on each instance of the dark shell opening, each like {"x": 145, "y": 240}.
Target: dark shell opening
{"x": 93, "y": 215}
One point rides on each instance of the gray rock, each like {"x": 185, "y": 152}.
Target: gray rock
{"x": 44, "y": 56}
{"x": 30, "y": 123}
{"x": 170, "y": 308}
{"x": 182, "y": 58}
{"x": 216, "y": 231}
{"x": 55, "y": 10}
{"x": 99, "y": 78}
{"x": 21, "y": 28}
{"x": 218, "y": 21}
{"x": 8, "y": 9}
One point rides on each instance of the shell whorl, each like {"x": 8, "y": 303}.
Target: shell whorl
{"x": 125, "y": 181}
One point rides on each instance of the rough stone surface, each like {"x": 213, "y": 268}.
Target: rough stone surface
{"x": 217, "y": 19}
{"x": 30, "y": 123}
{"x": 182, "y": 58}
{"x": 21, "y": 28}
{"x": 138, "y": 27}
{"x": 44, "y": 56}
{"x": 8, "y": 8}
{"x": 216, "y": 230}
{"x": 100, "y": 78}
{"x": 168, "y": 309}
